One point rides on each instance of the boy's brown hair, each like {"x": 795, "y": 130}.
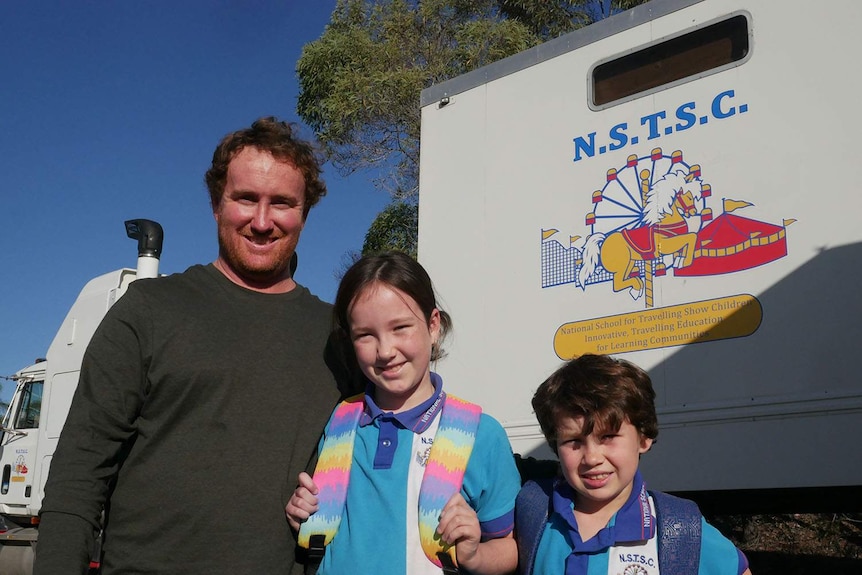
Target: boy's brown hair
{"x": 605, "y": 391}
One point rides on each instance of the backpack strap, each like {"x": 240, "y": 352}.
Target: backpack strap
{"x": 679, "y": 533}
{"x": 531, "y": 514}
{"x": 332, "y": 476}
{"x": 442, "y": 478}
{"x": 444, "y": 474}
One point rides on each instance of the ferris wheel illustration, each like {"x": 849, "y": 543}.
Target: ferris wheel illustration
{"x": 644, "y": 221}
{"x": 622, "y": 202}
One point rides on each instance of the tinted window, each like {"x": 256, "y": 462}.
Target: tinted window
{"x": 703, "y": 50}
{"x": 30, "y": 407}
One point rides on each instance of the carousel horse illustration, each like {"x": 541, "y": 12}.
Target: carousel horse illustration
{"x": 661, "y": 230}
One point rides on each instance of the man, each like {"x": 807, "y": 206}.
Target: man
{"x": 202, "y": 394}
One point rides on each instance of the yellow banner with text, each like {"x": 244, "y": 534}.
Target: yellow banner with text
{"x": 696, "y": 322}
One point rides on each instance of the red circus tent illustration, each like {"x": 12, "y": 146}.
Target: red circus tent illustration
{"x": 732, "y": 243}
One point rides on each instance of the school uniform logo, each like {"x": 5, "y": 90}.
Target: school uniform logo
{"x": 422, "y": 455}
{"x": 634, "y": 570}
{"x": 639, "y": 558}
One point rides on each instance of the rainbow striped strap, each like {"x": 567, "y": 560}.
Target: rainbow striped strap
{"x": 332, "y": 473}
{"x": 444, "y": 470}
{"x": 442, "y": 478}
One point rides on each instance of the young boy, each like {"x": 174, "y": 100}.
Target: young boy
{"x": 598, "y": 415}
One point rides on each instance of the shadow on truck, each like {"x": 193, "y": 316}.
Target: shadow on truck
{"x": 796, "y": 446}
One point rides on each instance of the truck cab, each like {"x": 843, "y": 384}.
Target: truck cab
{"x": 18, "y": 439}
{"x": 37, "y": 411}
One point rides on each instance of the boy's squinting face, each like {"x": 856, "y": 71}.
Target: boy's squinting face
{"x": 600, "y": 467}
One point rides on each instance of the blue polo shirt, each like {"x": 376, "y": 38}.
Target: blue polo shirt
{"x": 373, "y": 535}
{"x": 561, "y": 549}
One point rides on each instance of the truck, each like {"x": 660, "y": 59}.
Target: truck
{"x": 40, "y": 403}
{"x": 676, "y": 186}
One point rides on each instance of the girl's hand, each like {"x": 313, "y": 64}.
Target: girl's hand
{"x": 303, "y": 502}
{"x": 459, "y": 526}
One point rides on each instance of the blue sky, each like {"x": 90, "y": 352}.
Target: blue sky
{"x": 110, "y": 111}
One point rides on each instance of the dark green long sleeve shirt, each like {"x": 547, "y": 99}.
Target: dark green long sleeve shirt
{"x": 199, "y": 402}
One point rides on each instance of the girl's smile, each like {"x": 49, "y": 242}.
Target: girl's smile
{"x": 392, "y": 341}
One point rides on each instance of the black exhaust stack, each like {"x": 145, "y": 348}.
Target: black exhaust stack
{"x": 150, "y": 237}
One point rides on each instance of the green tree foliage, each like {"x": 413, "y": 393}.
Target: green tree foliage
{"x": 547, "y": 20}
{"x": 360, "y": 82}
{"x": 393, "y": 229}
{"x": 609, "y": 7}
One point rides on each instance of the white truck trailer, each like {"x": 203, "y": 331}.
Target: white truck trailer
{"x": 38, "y": 408}
{"x": 676, "y": 185}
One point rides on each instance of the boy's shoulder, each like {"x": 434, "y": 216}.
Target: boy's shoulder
{"x": 673, "y": 506}
{"x": 532, "y": 508}
{"x": 679, "y": 526}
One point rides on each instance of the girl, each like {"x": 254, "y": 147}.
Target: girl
{"x": 382, "y": 499}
